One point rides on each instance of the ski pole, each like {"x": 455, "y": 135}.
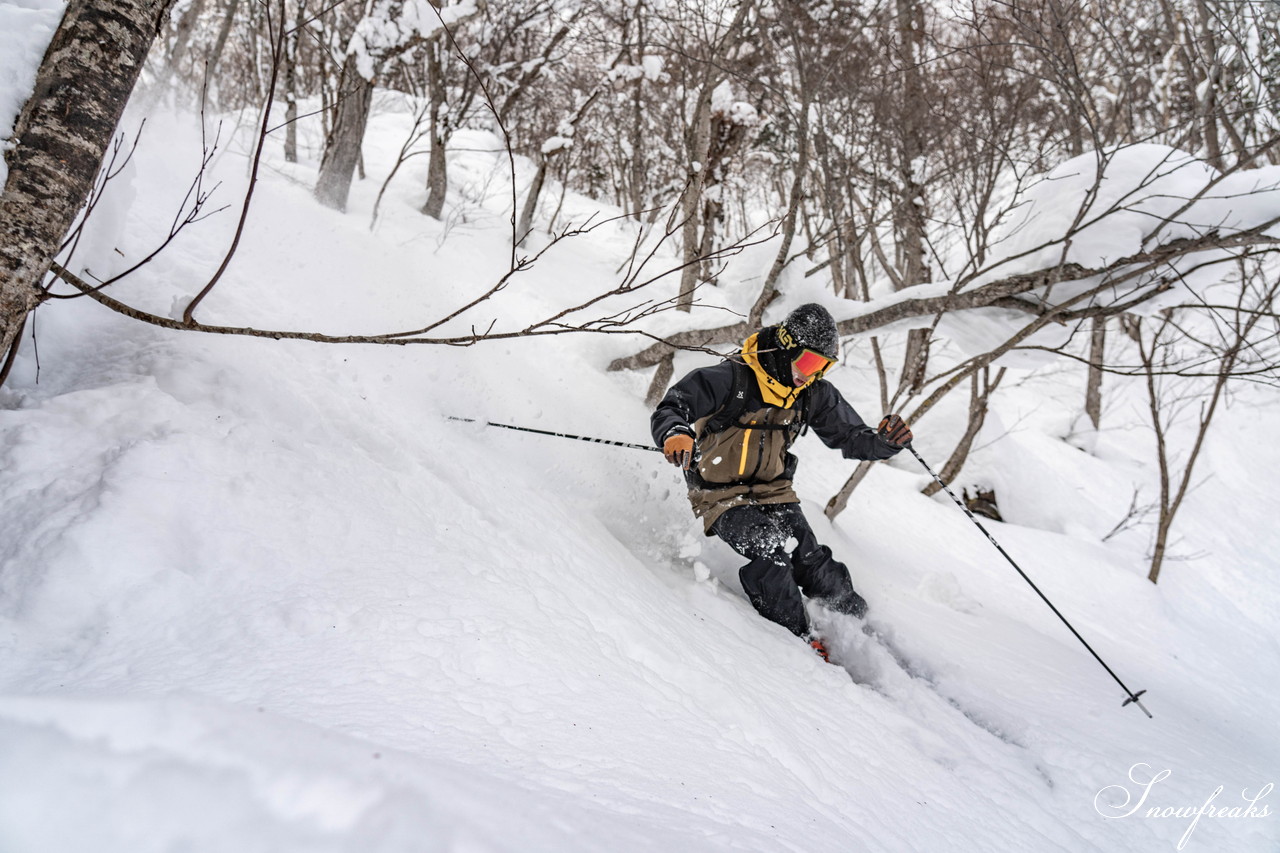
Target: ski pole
{"x": 1133, "y": 697}
{"x": 559, "y": 434}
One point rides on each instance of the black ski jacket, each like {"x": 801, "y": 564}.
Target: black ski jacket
{"x": 748, "y": 461}
{"x": 705, "y": 391}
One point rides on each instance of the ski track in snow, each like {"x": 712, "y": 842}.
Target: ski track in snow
{"x": 884, "y": 668}
{"x": 263, "y": 596}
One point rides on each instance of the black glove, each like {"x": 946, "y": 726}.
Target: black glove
{"x": 894, "y": 432}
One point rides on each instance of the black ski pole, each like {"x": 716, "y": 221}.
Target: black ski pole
{"x": 1133, "y": 697}
{"x": 560, "y": 434}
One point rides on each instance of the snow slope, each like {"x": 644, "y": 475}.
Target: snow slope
{"x": 260, "y": 595}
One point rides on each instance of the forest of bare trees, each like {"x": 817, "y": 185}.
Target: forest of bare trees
{"x": 884, "y": 146}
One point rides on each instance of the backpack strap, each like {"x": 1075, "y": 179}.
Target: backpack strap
{"x": 801, "y": 424}
{"x": 743, "y": 379}
{"x": 737, "y": 402}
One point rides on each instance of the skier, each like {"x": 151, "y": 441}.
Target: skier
{"x": 730, "y": 428}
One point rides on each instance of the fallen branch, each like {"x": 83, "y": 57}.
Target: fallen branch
{"x": 997, "y": 294}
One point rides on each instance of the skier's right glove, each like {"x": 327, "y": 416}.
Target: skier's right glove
{"x": 894, "y": 432}
{"x": 678, "y": 448}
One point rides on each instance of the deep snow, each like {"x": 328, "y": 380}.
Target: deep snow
{"x": 261, "y": 595}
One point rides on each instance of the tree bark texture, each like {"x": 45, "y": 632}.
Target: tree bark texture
{"x": 982, "y": 391}
{"x": 769, "y": 291}
{"x": 83, "y": 84}
{"x": 840, "y": 499}
{"x": 698, "y": 136}
{"x": 342, "y": 147}
{"x": 1205, "y": 49}
{"x": 1093, "y": 387}
{"x": 183, "y": 38}
{"x": 661, "y": 379}
{"x": 219, "y": 44}
{"x": 437, "y": 168}
{"x": 291, "y": 82}
{"x": 910, "y": 207}
{"x": 354, "y": 98}
{"x": 1003, "y": 293}
{"x": 530, "y": 208}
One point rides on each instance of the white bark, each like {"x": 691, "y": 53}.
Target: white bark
{"x": 84, "y": 81}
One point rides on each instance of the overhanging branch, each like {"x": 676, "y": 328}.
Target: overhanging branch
{"x": 997, "y": 294}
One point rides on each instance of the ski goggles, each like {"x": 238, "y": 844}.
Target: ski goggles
{"x": 809, "y": 363}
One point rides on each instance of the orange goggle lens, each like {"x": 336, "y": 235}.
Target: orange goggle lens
{"x": 810, "y": 363}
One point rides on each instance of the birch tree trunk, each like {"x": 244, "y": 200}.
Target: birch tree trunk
{"x": 83, "y": 84}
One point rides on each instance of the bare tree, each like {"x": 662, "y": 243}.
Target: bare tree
{"x": 983, "y": 387}
{"x": 384, "y": 34}
{"x": 292, "y": 56}
{"x": 617, "y": 308}
{"x": 1188, "y": 365}
{"x": 711, "y": 39}
{"x": 83, "y": 83}
{"x": 1097, "y": 359}
{"x": 438, "y": 131}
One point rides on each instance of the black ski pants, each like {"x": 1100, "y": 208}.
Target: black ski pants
{"x": 786, "y": 559}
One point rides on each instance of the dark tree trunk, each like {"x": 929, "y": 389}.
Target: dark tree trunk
{"x": 437, "y": 171}
{"x": 183, "y": 38}
{"x": 978, "y": 400}
{"x": 639, "y": 176}
{"x": 64, "y": 129}
{"x": 661, "y": 379}
{"x": 291, "y": 83}
{"x": 215, "y": 54}
{"x": 1207, "y": 49}
{"x": 840, "y": 500}
{"x": 698, "y": 140}
{"x": 531, "y": 201}
{"x": 794, "y": 199}
{"x": 342, "y": 147}
{"x": 322, "y": 74}
{"x": 910, "y": 211}
{"x": 525, "y": 226}
{"x": 354, "y": 97}
{"x": 1093, "y": 388}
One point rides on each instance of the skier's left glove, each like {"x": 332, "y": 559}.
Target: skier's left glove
{"x": 894, "y": 432}
{"x": 678, "y": 448}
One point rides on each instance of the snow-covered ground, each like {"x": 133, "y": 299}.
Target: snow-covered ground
{"x": 264, "y": 596}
